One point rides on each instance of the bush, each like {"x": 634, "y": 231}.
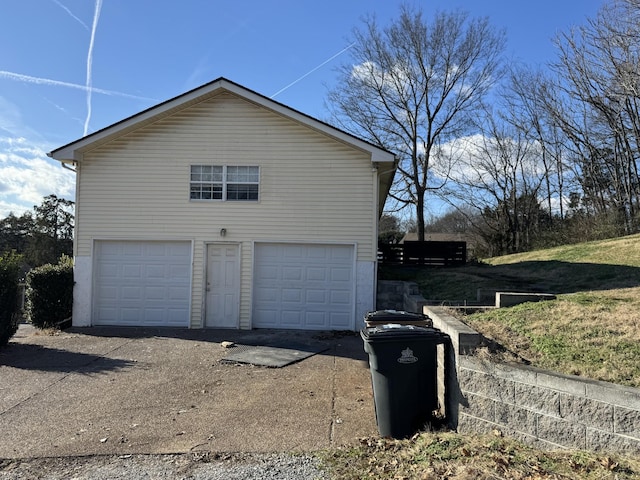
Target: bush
{"x": 50, "y": 293}
{"x": 9, "y": 278}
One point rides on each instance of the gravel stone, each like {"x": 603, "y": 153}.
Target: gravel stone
{"x": 193, "y": 466}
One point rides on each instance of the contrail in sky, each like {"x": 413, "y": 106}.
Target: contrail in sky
{"x": 57, "y": 83}
{"x": 96, "y": 16}
{"x": 71, "y": 14}
{"x": 313, "y": 70}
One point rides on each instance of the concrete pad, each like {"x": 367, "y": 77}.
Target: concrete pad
{"x": 105, "y": 391}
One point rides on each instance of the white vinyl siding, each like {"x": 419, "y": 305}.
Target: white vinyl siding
{"x": 312, "y": 187}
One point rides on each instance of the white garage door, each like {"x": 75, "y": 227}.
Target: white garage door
{"x": 142, "y": 283}
{"x": 303, "y": 286}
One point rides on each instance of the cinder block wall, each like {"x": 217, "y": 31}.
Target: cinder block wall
{"x": 547, "y": 409}
{"x": 543, "y": 408}
{"x": 398, "y": 295}
{"x": 390, "y": 295}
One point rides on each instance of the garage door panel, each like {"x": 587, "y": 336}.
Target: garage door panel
{"x": 107, "y": 313}
{"x": 268, "y": 317}
{"x": 152, "y": 314}
{"x": 315, "y": 296}
{"x": 303, "y": 286}
{"x": 159, "y": 250}
{"x": 177, "y": 293}
{"x": 131, "y": 293}
{"x": 134, "y": 249}
{"x": 340, "y": 297}
{"x": 291, "y": 319}
{"x": 339, "y": 274}
{"x": 155, "y": 272}
{"x": 337, "y": 321}
{"x": 131, "y": 315}
{"x": 293, "y": 273}
{"x": 291, "y": 252}
{"x": 154, "y": 293}
{"x": 175, "y": 317}
{"x": 291, "y": 295}
{"x": 340, "y": 255}
{"x": 316, "y": 319}
{"x": 265, "y": 295}
{"x": 180, "y": 271}
{"x": 142, "y": 283}
{"x": 316, "y": 252}
{"x": 269, "y": 273}
{"x": 129, "y": 271}
{"x": 316, "y": 274}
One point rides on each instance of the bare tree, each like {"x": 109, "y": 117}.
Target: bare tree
{"x": 597, "y": 105}
{"x": 526, "y": 110}
{"x": 499, "y": 179}
{"x": 413, "y": 86}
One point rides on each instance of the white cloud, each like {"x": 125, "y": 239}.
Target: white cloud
{"x": 27, "y": 176}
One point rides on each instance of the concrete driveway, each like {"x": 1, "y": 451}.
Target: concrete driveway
{"x": 124, "y": 391}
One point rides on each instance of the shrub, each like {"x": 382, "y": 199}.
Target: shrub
{"x": 9, "y": 277}
{"x": 50, "y": 293}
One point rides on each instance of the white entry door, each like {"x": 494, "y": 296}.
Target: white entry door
{"x": 223, "y": 286}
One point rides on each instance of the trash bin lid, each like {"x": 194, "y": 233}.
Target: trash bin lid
{"x": 393, "y": 332}
{"x": 394, "y": 315}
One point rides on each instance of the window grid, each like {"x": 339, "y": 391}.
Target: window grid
{"x": 221, "y": 182}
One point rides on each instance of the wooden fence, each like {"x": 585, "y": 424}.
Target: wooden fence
{"x": 423, "y": 253}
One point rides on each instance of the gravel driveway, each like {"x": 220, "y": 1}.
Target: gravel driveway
{"x": 184, "y": 466}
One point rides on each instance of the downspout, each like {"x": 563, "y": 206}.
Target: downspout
{"x": 376, "y": 221}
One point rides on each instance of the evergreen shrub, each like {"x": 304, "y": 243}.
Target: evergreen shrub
{"x": 9, "y": 278}
{"x": 50, "y": 293}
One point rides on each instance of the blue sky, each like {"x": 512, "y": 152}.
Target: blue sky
{"x": 71, "y": 67}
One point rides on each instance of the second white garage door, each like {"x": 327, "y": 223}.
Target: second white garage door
{"x": 303, "y": 286}
{"x": 142, "y": 283}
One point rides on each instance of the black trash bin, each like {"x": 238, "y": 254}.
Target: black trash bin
{"x": 380, "y": 317}
{"x": 404, "y": 375}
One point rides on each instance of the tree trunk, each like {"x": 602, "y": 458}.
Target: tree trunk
{"x": 420, "y": 213}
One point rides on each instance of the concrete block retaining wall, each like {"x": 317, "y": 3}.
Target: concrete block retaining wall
{"x": 397, "y": 295}
{"x": 540, "y": 407}
{"x": 547, "y": 409}
{"x": 390, "y": 295}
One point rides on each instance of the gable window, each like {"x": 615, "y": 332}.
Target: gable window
{"x": 224, "y": 182}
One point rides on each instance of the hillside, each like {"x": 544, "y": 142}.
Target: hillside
{"x": 592, "y": 329}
